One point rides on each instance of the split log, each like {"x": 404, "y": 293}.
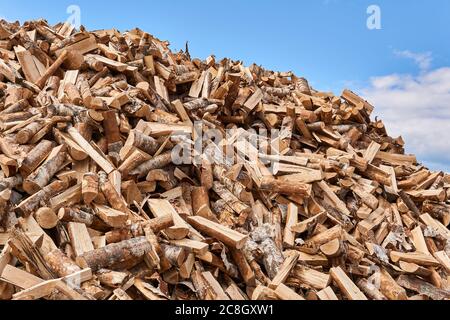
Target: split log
{"x": 89, "y": 187}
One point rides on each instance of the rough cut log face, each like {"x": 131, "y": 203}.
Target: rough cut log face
{"x": 123, "y": 164}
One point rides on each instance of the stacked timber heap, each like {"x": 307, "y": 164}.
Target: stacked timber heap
{"x": 93, "y": 205}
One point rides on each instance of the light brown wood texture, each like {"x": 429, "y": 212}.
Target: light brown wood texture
{"x": 230, "y": 237}
{"x": 348, "y": 288}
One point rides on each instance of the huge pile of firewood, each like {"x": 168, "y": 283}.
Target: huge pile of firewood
{"x": 94, "y": 203}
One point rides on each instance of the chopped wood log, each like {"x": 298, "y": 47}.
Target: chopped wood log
{"x": 89, "y": 187}
{"x": 413, "y": 268}
{"x": 86, "y": 146}
{"x": 263, "y": 293}
{"x": 46, "y": 218}
{"x": 197, "y": 247}
{"x": 423, "y": 287}
{"x": 79, "y": 238}
{"x": 112, "y": 279}
{"x": 327, "y": 294}
{"x": 332, "y": 249}
{"x": 229, "y": 237}
{"x": 52, "y": 69}
{"x": 414, "y": 257}
{"x": 390, "y": 288}
{"x": 370, "y": 290}
{"x": 291, "y": 220}
{"x": 72, "y": 215}
{"x": 217, "y": 290}
{"x": 286, "y": 187}
{"x": 443, "y": 259}
{"x": 176, "y": 255}
{"x": 232, "y": 201}
{"x": 284, "y": 270}
{"x": 110, "y": 216}
{"x": 29, "y": 205}
{"x": 244, "y": 268}
{"x": 60, "y": 263}
{"x": 120, "y": 255}
{"x": 163, "y": 208}
{"x": 304, "y": 276}
{"x": 201, "y": 203}
{"x": 346, "y": 285}
{"x": 41, "y": 177}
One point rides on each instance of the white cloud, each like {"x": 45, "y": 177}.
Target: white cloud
{"x": 417, "y": 108}
{"x": 423, "y": 60}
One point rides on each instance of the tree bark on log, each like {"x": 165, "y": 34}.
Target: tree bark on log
{"x": 76, "y": 215}
{"x": 158, "y": 162}
{"x": 41, "y": 177}
{"x": 27, "y": 206}
{"x": 60, "y": 263}
{"x": 125, "y": 254}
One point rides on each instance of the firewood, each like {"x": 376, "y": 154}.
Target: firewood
{"x": 99, "y": 159}
{"x": 229, "y": 237}
{"x": 309, "y": 277}
{"x": 31, "y": 204}
{"x": 390, "y": 288}
{"x": 162, "y": 208}
{"x": 110, "y": 216}
{"x": 41, "y": 177}
{"x": 116, "y": 256}
{"x": 244, "y": 268}
{"x": 443, "y": 259}
{"x": 218, "y": 293}
{"x": 413, "y": 268}
{"x": 332, "y": 249}
{"x": 46, "y": 218}
{"x": 201, "y": 203}
{"x": 52, "y": 69}
{"x": 93, "y": 126}
{"x": 346, "y": 285}
{"x": 89, "y": 187}
{"x": 423, "y": 287}
{"x": 111, "y": 279}
{"x": 418, "y": 258}
{"x": 284, "y": 270}
{"x": 232, "y": 201}
{"x": 71, "y": 215}
{"x": 264, "y": 293}
{"x": 370, "y": 290}
{"x": 79, "y": 237}
{"x": 291, "y": 220}
{"x": 61, "y": 264}
{"x": 327, "y": 294}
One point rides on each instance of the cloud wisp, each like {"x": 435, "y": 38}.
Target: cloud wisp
{"x": 422, "y": 59}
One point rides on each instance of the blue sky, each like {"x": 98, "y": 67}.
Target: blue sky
{"x": 404, "y": 68}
